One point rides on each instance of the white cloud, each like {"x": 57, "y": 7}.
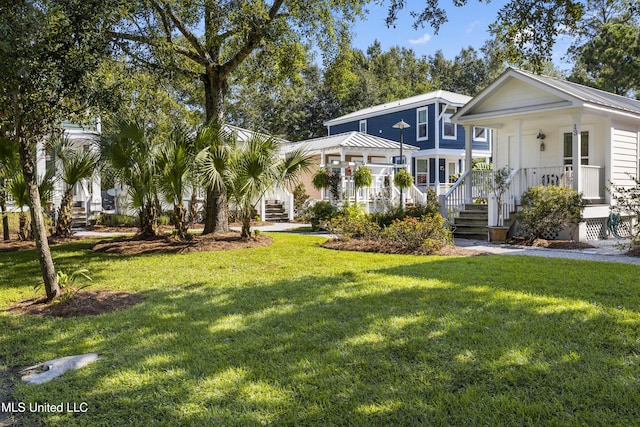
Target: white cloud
{"x": 422, "y": 40}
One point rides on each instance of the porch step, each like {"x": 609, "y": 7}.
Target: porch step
{"x": 78, "y": 217}
{"x": 472, "y": 223}
{"x": 275, "y": 212}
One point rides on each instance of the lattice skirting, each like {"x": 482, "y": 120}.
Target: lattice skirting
{"x": 597, "y": 228}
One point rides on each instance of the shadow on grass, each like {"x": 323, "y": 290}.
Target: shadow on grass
{"x": 484, "y": 340}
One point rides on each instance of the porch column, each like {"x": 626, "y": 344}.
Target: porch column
{"x": 343, "y": 178}
{"x": 468, "y": 163}
{"x": 577, "y": 151}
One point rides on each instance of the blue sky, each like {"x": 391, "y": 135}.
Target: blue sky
{"x": 467, "y": 26}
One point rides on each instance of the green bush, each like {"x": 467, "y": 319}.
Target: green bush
{"x": 384, "y": 219}
{"x": 352, "y": 222}
{"x": 321, "y": 214}
{"x": 428, "y": 232}
{"x": 403, "y": 179}
{"x": 117, "y": 220}
{"x": 547, "y": 210}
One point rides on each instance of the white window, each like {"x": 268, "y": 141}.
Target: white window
{"x": 363, "y": 126}
{"x": 422, "y": 124}
{"x": 422, "y": 171}
{"x": 479, "y": 134}
{"x": 449, "y": 129}
{"x": 584, "y": 148}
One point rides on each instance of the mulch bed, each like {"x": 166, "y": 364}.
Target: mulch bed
{"x": 134, "y": 245}
{"x": 391, "y": 248}
{"x": 83, "y": 303}
{"x": 551, "y": 244}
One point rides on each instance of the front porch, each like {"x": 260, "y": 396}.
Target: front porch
{"x": 473, "y": 188}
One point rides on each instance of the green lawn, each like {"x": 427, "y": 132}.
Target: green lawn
{"x": 298, "y": 335}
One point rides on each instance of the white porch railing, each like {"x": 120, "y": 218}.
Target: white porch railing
{"x": 592, "y": 178}
{"x": 452, "y": 202}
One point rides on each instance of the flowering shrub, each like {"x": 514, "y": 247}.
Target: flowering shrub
{"x": 428, "y": 232}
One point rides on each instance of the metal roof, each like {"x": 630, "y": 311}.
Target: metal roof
{"x": 586, "y": 94}
{"x": 451, "y": 98}
{"x": 356, "y": 140}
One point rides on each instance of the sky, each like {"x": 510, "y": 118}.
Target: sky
{"x": 467, "y": 26}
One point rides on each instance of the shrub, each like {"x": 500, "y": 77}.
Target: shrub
{"x": 627, "y": 199}
{"x": 300, "y": 198}
{"x": 428, "y": 232}
{"x": 351, "y": 221}
{"x": 546, "y": 210}
{"x": 384, "y": 219}
{"x": 117, "y": 220}
{"x": 321, "y": 213}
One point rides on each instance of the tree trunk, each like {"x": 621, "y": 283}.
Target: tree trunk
{"x": 180, "y": 221}
{"x": 37, "y": 222}
{"x": 5, "y": 218}
{"x": 216, "y": 218}
{"x": 246, "y": 226}
{"x": 149, "y": 220}
{"x": 216, "y": 207}
{"x": 63, "y": 227}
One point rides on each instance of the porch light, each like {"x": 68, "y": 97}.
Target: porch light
{"x": 541, "y": 136}
{"x": 401, "y": 125}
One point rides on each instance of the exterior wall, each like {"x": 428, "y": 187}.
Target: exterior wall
{"x": 624, "y": 154}
{"x": 307, "y": 178}
{"x": 382, "y": 126}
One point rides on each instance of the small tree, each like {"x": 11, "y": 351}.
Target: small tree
{"x": 499, "y": 186}
{"x": 362, "y": 178}
{"x": 546, "y": 210}
{"x": 628, "y": 199}
{"x": 403, "y": 180}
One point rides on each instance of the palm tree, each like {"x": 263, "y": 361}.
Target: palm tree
{"x": 214, "y": 145}
{"x": 18, "y": 190}
{"x": 256, "y": 167}
{"x": 131, "y": 154}
{"x": 77, "y": 164}
{"x": 175, "y": 168}
{"x": 9, "y": 167}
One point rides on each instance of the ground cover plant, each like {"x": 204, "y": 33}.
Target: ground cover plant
{"x": 294, "y": 334}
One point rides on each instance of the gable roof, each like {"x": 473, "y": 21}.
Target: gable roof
{"x": 450, "y": 98}
{"x": 573, "y": 95}
{"x": 354, "y": 140}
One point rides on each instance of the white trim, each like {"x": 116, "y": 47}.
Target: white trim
{"x": 360, "y": 123}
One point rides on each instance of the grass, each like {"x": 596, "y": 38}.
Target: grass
{"x": 299, "y": 335}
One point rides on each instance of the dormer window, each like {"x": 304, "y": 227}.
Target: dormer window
{"x": 363, "y": 126}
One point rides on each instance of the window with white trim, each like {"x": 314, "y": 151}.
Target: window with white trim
{"x": 584, "y": 148}
{"x": 422, "y": 171}
{"x": 479, "y": 134}
{"x": 363, "y": 126}
{"x": 422, "y": 127}
{"x": 449, "y": 129}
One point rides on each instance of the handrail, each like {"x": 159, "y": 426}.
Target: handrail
{"x": 452, "y": 202}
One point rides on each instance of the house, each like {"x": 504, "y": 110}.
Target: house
{"x": 87, "y": 194}
{"x": 554, "y": 132}
{"x": 440, "y": 141}
{"x": 342, "y": 153}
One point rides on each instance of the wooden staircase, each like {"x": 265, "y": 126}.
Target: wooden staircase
{"x": 275, "y": 211}
{"x": 78, "y": 216}
{"x": 472, "y": 223}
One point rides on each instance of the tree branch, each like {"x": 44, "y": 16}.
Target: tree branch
{"x": 191, "y": 38}
{"x": 156, "y": 42}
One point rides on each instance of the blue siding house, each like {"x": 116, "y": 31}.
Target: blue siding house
{"x": 441, "y": 142}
